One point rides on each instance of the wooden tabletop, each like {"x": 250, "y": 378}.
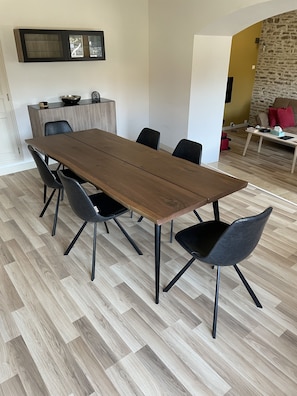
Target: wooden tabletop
{"x": 153, "y": 183}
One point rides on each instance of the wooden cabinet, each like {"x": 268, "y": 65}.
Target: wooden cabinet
{"x": 45, "y": 45}
{"x": 84, "y": 115}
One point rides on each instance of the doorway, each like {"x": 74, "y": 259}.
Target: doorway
{"x": 10, "y": 147}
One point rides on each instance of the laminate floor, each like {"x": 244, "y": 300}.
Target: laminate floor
{"x": 61, "y": 334}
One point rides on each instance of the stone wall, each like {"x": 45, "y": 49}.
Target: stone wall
{"x": 276, "y": 70}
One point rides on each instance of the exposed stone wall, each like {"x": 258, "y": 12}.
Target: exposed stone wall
{"x": 276, "y": 70}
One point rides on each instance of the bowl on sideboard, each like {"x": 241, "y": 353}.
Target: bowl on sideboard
{"x": 70, "y": 99}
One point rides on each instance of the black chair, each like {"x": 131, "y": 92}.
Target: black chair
{"x": 50, "y": 179}
{"x": 149, "y": 137}
{"x": 55, "y": 128}
{"x": 220, "y": 244}
{"x": 94, "y": 208}
{"x": 189, "y": 151}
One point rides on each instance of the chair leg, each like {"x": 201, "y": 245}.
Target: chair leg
{"x": 75, "y": 239}
{"x": 106, "y": 227}
{"x": 248, "y": 287}
{"x": 94, "y": 252}
{"x": 47, "y": 203}
{"x": 216, "y": 304}
{"x": 171, "y": 231}
{"x": 56, "y": 213}
{"x": 176, "y": 278}
{"x": 198, "y": 215}
{"x": 140, "y": 219}
{"x": 128, "y": 237}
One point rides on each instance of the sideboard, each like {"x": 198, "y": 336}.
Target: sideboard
{"x": 84, "y": 115}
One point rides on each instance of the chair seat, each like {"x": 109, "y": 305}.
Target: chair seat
{"x": 200, "y": 238}
{"x": 109, "y": 208}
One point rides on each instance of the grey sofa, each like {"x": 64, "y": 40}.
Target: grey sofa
{"x": 263, "y": 120}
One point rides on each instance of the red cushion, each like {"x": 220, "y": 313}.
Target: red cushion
{"x": 285, "y": 117}
{"x": 272, "y": 117}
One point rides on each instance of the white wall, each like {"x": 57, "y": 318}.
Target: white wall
{"x": 156, "y": 58}
{"x": 122, "y": 77}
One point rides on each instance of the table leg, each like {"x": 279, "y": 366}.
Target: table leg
{"x": 260, "y": 144}
{"x": 248, "y": 139}
{"x": 216, "y": 212}
{"x": 157, "y": 260}
{"x": 294, "y": 160}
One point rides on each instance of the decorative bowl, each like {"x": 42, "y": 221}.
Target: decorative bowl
{"x": 70, "y": 99}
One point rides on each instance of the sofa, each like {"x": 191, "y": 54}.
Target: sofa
{"x": 283, "y": 113}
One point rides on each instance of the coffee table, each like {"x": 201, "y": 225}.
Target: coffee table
{"x": 289, "y": 139}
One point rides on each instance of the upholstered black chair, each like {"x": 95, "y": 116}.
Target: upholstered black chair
{"x": 55, "y": 128}
{"x": 50, "y": 179}
{"x": 149, "y": 137}
{"x": 220, "y": 244}
{"x": 93, "y": 208}
{"x": 189, "y": 151}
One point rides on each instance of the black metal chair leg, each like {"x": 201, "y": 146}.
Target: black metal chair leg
{"x": 47, "y": 203}
{"x": 140, "y": 219}
{"x": 75, "y": 239}
{"x": 128, "y": 237}
{"x": 198, "y": 216}
{"x": 94, "y": 252}
{"x": 176, "y": 278}
{"x": 106, "y": 227}
{"x": 56, "y": 213}
{"x": 248, "y": 287}
{"x": 216, "y": 304}
{"x": 171, "y": 231}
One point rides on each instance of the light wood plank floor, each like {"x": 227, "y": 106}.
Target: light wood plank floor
{"x": 61, "y": 334}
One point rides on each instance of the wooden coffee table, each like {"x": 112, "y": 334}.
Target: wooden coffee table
{"x": 290, "y": 139}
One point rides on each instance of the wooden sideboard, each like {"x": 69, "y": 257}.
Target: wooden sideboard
{"x": 84, "y": 115}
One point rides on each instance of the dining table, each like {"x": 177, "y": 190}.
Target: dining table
{"x": 153, "y": 183}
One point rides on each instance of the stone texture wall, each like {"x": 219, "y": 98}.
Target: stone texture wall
{"x": 276, "y": 69}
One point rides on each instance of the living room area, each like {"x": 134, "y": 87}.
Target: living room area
{"x": 263, "y": 67}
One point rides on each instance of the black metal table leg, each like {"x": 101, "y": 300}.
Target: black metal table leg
{"x": 157, "y": 260}
{"x": 216, "y": 212}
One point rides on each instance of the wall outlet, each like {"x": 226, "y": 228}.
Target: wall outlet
{"x": 245, "y": 121}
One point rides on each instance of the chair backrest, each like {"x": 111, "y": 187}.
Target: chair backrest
{"x": 79, "y": 200}
{"x": 47, "y": 176}
{"x": 149, "y": 137}
{"x": 57, "y": 127}
{"x": 188, "y": 150}
{"x": 239, "y": 240}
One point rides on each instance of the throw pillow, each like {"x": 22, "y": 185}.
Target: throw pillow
{"x": 272, "y": 117}
{"x": 285, "y": 117}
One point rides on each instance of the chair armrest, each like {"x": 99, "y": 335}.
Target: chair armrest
{"x": 262, "y": 119}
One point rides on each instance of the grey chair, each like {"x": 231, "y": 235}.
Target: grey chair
{"x": 50, "y": 179}
{"x": 149, "y": 137}
{"x": 93, "y": 208}
{"x": 55, "y": 128}
{"x": 189, "y": 151}
{"x": 220, "y": 244}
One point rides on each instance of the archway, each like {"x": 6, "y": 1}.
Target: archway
{"x": 211, "y": 54}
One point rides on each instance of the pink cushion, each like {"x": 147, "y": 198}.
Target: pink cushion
{"x": 272, "y": 116}
{"x": 285, "y": 117}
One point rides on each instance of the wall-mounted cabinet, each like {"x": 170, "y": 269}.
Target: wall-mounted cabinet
{"x": 39, "y": 45}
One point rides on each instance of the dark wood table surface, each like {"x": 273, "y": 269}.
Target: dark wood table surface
{"x": 152, "y": 183}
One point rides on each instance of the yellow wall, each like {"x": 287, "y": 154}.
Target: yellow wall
{"x": 243, "y": 56}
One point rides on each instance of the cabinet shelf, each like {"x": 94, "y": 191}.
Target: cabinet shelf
{"x": 44, "y": 45}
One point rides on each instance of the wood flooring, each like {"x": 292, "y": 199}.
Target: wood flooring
{"x": 61, "y": 334}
